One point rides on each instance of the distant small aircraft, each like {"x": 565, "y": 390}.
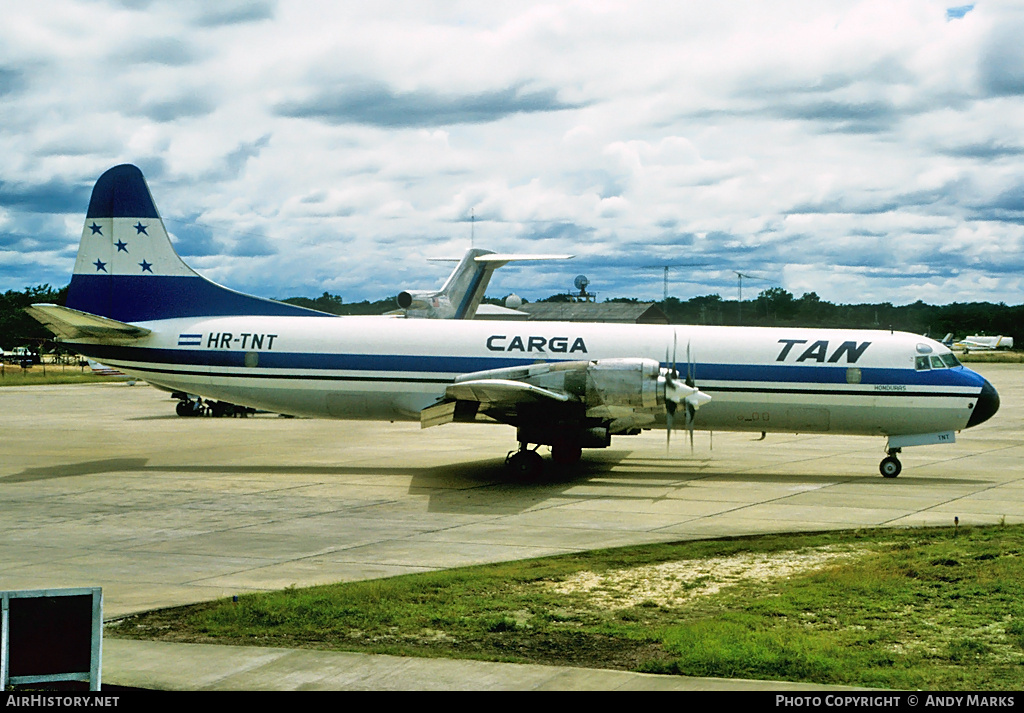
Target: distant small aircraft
{"x": 135, "y": 305}
{"x": 981, "y": 343}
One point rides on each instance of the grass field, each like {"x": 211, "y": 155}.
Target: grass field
{"x": 905, "y": 609}
{"x": 1000, "y": 357}
{"x": 14, "y": 375}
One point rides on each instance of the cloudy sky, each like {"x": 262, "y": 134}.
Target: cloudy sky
{"x": 867, "y": 151}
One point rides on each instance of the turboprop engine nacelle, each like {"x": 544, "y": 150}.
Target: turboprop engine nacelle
{"x": 632, "y": 383}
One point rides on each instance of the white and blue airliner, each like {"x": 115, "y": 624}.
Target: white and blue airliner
{"x": 133, "y": 304}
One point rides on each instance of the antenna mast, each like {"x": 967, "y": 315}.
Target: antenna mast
{"x": 739, "y": 279}
{"x": 664, "y": 294}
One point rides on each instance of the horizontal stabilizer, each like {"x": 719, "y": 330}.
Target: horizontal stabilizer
{"x": 72, "y": 324}
{"x": 504, "y": 258}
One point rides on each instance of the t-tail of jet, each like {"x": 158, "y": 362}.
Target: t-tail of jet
{"x": 127, "y": 269}
{"x": 463, "y": 291}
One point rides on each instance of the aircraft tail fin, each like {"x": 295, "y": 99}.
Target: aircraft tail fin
{"x": 127, "y": 269}
{"x": 463, "y": 291}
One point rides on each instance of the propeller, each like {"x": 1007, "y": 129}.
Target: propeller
{"x": 692, "y": 402}
{"x": 681, "y": 391}
{"x": 671, "y": 378}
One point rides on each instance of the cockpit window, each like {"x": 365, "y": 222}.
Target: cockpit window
{"x": 942, "y": 361}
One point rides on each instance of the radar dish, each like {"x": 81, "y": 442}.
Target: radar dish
{"x": 581, "y": 282}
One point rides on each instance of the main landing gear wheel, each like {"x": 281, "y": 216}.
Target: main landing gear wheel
{"x": 890, "y": 467}
{"x": 566, "y": 453}
{"x": 187, "y": 408}
{"x": 525, "y": 465}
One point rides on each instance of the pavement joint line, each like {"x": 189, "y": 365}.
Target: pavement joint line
{"x": 935, "y": 506}
{"x": 825, "y": 486}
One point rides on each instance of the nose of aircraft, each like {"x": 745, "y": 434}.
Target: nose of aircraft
{"x": 988, "y": 404}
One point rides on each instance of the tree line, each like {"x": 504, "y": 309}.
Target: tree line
{"x": 17, "y": 329}
{"x": 774, "y": 307}
{"x": 777, "y": 307}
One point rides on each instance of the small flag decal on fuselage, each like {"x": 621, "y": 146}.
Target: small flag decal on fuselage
{"x": 189, "y": 340}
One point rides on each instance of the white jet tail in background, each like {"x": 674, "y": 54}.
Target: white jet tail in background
{"x": 463, "y": 291}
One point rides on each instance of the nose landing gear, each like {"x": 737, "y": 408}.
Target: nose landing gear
{"x": 890, "y": 466}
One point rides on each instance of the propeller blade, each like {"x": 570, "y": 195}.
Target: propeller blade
{"x": 681, "y": 391}
{"x": 691, "y": 370}
{"x": 690, "y": 413}
{"x": 675, "y": 337}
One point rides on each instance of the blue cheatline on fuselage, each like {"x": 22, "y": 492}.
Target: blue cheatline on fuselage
{"x": 754, "y": 377}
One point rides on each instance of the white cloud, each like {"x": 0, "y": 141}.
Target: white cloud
{"x": 333, "y": 145}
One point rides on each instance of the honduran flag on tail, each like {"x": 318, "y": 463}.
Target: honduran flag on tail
{"x": 127, "y": 269}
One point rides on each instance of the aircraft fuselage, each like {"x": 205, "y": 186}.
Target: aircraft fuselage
{"x": 761, "y": 379}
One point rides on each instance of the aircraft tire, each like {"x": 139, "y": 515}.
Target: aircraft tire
{"x": 526, "y": 465}
{"x": 566, "y": 453}
{"x": 183, "y": 409}
{"x": 890, "y": 467}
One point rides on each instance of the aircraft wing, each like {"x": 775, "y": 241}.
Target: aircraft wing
{"x": 501, "y": 391}
{"x": 72, "y": 324}
{"x": 496, "y": 399}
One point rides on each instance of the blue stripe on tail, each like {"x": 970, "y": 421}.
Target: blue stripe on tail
{"x": 128, "y": 298}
